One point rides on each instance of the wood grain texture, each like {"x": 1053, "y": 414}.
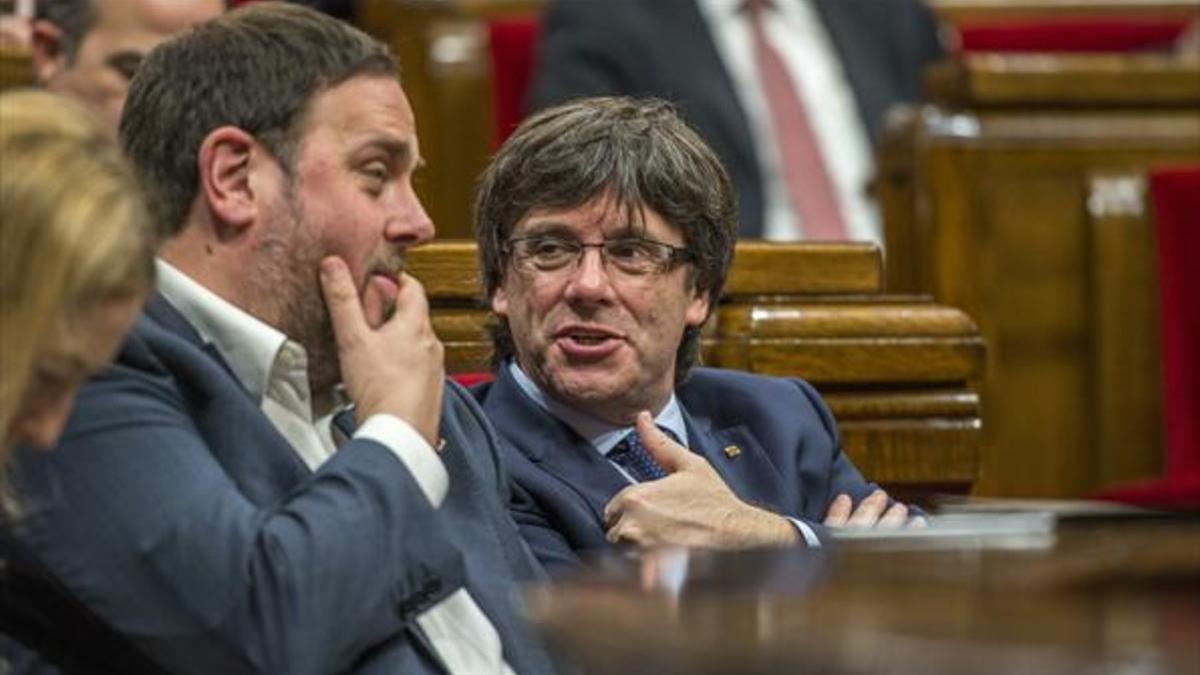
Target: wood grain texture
{"x": 1001, "y": 214}
{"x": 1141, "y": 80}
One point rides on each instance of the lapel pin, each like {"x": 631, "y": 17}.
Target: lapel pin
{"x": 732, "y": 451}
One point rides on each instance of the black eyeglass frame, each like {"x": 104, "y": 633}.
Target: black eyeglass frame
{"x": 675, "y": 255}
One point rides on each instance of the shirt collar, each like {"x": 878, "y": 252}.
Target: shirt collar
{"x": 603, "y": 435}
{"x": 248, "y": 345}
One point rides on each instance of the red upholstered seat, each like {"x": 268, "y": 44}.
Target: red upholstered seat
{"x": 512, "y": 43}
{"x": 1082, "y": 34}
{"x": 1175, "y": 196}
{"x": 472, "y": 379}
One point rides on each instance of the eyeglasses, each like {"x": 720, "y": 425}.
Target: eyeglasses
{"x": 633, "y": 256}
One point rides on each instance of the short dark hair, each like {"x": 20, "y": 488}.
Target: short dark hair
{"x": 256, "y": 68}
{"x": 639, "y": 152}
{"x": 73, "y": 18}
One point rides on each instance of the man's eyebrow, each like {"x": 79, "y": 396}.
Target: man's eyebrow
{"x": 398, "y": 151}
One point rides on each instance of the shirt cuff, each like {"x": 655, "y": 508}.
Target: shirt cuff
{"x": 422, "y": 462}
{"x": 810, "y": 537}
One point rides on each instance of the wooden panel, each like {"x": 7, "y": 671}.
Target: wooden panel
{"x": 990, "y": 199}
{"x": 762, "y": 268}
{"x": 898, "y": 372}
{"x": 442, "y": 47}
{"x": 16, "y": 70}
{"x": 1091, "y": 80}
{"x": 1123, "y": 281}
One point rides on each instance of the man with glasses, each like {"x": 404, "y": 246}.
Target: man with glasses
{"x": 606, "y": 228}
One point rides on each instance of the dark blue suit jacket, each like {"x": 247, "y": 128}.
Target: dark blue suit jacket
{"x": 662, "y": 48}
{"x": 180, "y": 516}
{"x": 790, "y": 462}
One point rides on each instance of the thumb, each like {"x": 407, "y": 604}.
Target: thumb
{"x": 670, "y": 455}
{"x": 341, "y": 298}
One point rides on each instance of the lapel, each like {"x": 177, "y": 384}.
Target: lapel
{"x": 164, "y": 313}
{"x": 749, "y": 472}
{"x": 717, "y": 97}
{"x": 844, "y": 22}
{"x": 552, "y": 447}
{"x": 253, "y": 453}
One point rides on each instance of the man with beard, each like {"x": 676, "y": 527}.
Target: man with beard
{"x": 606, "y": 228}
{"x": 211, "y": 500}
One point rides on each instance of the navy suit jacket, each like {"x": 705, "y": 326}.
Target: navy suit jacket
{"x": 663, "y": 48}
{"x": 175, "y": 512}
{"x": 790, "y": 463}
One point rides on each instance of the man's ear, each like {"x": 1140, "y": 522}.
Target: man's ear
{"x": 226, "y": 165}
{"x": 697, "y": 309}
{"x": 500, "y": 301}
{"x": 48, "y": 56}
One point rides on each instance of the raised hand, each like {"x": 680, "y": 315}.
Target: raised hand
{"x": 395, "y": 368}
{"x": 692, "y": 506}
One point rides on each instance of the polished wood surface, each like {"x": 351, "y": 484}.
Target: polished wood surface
{"x": 1019, "y": 197}
{"x": 898, "y": 372}
{"x": 1118, "y": 597}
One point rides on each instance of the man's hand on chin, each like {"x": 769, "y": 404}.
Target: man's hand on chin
{"x": 395, "y": 368}
{"x": 691, "y": 507}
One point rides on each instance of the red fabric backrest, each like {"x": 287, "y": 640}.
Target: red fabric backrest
{"x": 512, "y": 44}
{"x": 472, "y": 379}
{"x": 1083, "y": 34}
{"x": 1175, "y": 194}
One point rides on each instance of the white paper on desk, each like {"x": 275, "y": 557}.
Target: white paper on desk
{"x": 1034, "y": 530}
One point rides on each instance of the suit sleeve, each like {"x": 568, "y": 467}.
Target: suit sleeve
{"x": 141, "y": 522}
{"x": 844, "y": 477}
{"x": 546, "y": 542}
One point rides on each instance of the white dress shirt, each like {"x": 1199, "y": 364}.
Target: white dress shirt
{"x": 274, "y": 370}
{"x": 604, "y": 436}
{"x": 795, "y": 30}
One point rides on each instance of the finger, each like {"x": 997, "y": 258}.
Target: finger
{"x": 670, "y": 455}
{"x": 918, "y": 523}
{"x": 869, "y": 510}
{"x": 615, "y": 507}
{"x": 894, "y": 518}
{"x": 839, "y": 511}
{"x": 341, "y": 298}
{"x": 374, "y": 302}
{"x": 411, "y": 296}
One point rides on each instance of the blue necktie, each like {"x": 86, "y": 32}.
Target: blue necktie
{"x": 632, "y": 456}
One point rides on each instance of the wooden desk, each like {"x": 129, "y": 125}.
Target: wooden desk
{"x": 899, "y": 372}
{"x": 1115, "y": 598}
{"x": 1000, "y": 200}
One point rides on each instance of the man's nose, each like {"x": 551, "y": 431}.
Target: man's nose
{"x": 589, "y": 279}
{"x": 409, "y": 224}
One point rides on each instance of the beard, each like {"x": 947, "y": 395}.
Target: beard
{"x": 288, "y": 288}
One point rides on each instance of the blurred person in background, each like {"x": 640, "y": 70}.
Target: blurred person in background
{"x": 791, "y": 94}
{"x": 90, "y": 49}
{"x": 75, "y": 258}
{"x": 76, "y": 263}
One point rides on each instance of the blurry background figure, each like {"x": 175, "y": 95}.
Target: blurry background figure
{"x": 91, "y": 48}
{"x": 75, "y": 260}
{"x": 790, "y": 93}
{"x": 14, "y": 23}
